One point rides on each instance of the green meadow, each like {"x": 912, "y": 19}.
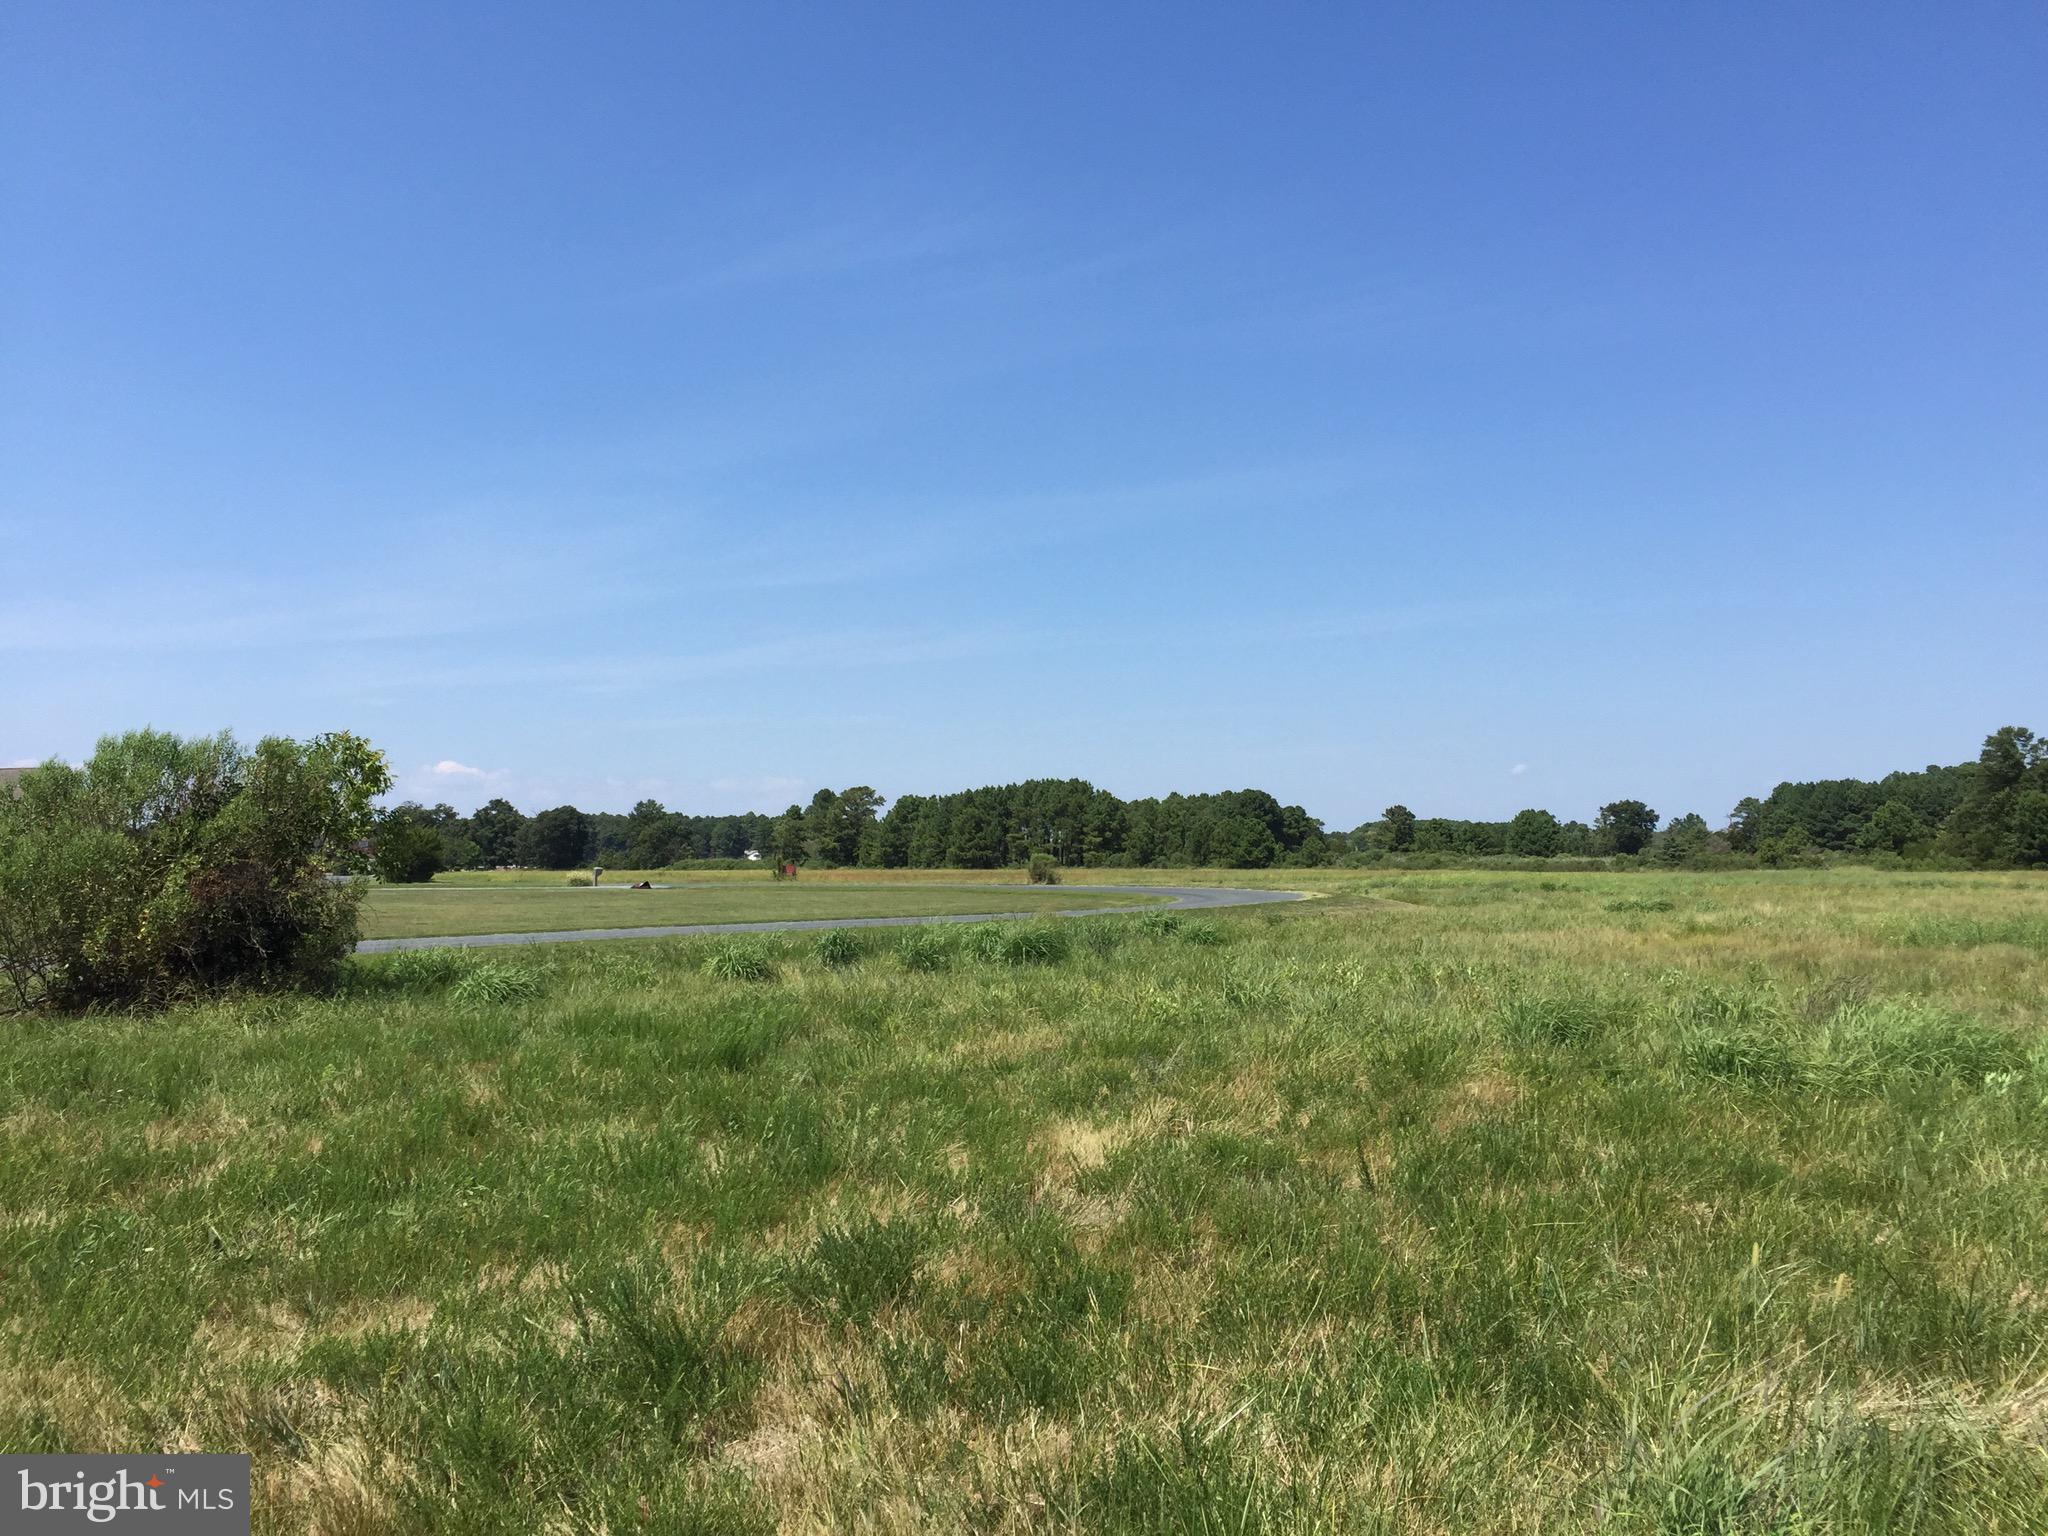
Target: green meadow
{"x": 413, "y": 911}
{"x": 1444, "y": 1202}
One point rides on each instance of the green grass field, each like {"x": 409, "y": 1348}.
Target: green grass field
{"x": 1498, "y": 1203}
{"x": 558, "y": 879}
{"x": 412, "y": 911}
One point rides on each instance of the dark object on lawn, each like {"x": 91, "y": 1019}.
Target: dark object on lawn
{"x": 641, "y": 885}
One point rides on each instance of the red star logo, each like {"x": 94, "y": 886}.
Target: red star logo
{"x": 155, "y": 1481}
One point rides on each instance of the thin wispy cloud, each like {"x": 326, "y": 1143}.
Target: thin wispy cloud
{"x": 621, "y": 672}
{"x": 1036, "y": 272}
{"x": 846, "y": 249}
{"x": 877, "y": 238}
{"x": 874, "y": 649}
{"x": 1398, "y": 620}
{"x": 989, "y": 527}
{"x": 454, "y": 781}
{"x": 168, "y": 609}
{"x": 1404, "y": 311}
{"x": 175, "y": 618}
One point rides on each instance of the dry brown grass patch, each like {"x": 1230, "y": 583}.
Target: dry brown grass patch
{"x": 1078, "y": 1146}
{"x": 397, "y": 1314}
{"x": 267, "y": 1331}
{"x": 525, "y": 1279}
{"x": 81, "y": 1408}
{"x": 884, "y": 1473}
{"x": 341, "y": 1487}
{"x": 219, "y": 1124}
{"x": 971, "y": 1272}
{"x": 1485, "y": 1095}
{"x": 480, "y": 1084}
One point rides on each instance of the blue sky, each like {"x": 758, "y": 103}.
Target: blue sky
{"x": 1469, "y": 406}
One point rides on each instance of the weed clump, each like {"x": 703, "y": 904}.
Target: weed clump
{"x": 1642, "y": 904}
{"x": 853, "y": 1271}
{"x": 1205, "y": 932}
{"x": 620, "y": 972}
{"x": 494, "y": 983}
{"x": 1862, "y": 1048}
{"x": 741, "y": 960}
{"x": 739, "y": 1036}
{"x": 1176, "y": 1480}
{"x": 1159, "y": 925}
{"x": 662, "y": 1345}
{"x": 1104, "y": 938}
{"x": 982, "y": 941}
{"x": 1545, "y": 1020}
{"x": 925, "y": 950}
{"x": 426, "y": 970}
{"x": 837, "y": 948}
{"x": 1039, "y": 943}
{"x": 1039, "y": 1359}
{"x": 1818, "y": 1465}
{"x": 1042, "y": 941}
{"x": 1251, "y": 988}
{"x": 1740, "y": 1055}
{"x": 1864, "y": 1045}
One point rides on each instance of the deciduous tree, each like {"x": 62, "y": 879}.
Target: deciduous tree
{"x": 556, "y": 839}
{"x": 1533, "y": 834}
{"x": 1626, "y": 826}
{"x": 495, "y": 827}
{"x": 1400, "y": 824}
{"x": 407, "y": 852}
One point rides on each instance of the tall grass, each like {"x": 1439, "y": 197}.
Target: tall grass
{"x": 1447, "y": 1202}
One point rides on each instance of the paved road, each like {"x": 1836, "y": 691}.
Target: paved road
{"x": 1183, "y": 896}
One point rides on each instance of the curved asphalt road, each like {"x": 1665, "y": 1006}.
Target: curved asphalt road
{"x": 1184, "y": 896}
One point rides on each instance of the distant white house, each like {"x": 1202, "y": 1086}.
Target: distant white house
{"x": 754, "y": 853}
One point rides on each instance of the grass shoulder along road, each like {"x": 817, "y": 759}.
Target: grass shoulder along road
{"x": 437, "y": 910}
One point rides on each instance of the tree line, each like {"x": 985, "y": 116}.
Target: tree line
{"x": 415, "y": 841}
{"x": 1990, "y": 812}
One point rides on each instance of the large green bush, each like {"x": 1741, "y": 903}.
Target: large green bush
{"x": 407, "y": 852}
{"x": 165, "y": 868}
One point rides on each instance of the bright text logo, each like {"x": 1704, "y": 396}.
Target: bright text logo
{"x": 157, "y": 1495}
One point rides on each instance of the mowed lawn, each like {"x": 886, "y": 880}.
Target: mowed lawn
{"x": 416, "y": 911}
{"x": 1452, "y": 1202}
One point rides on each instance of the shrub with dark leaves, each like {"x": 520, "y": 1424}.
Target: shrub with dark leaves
{"x": 166, "y": 868}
